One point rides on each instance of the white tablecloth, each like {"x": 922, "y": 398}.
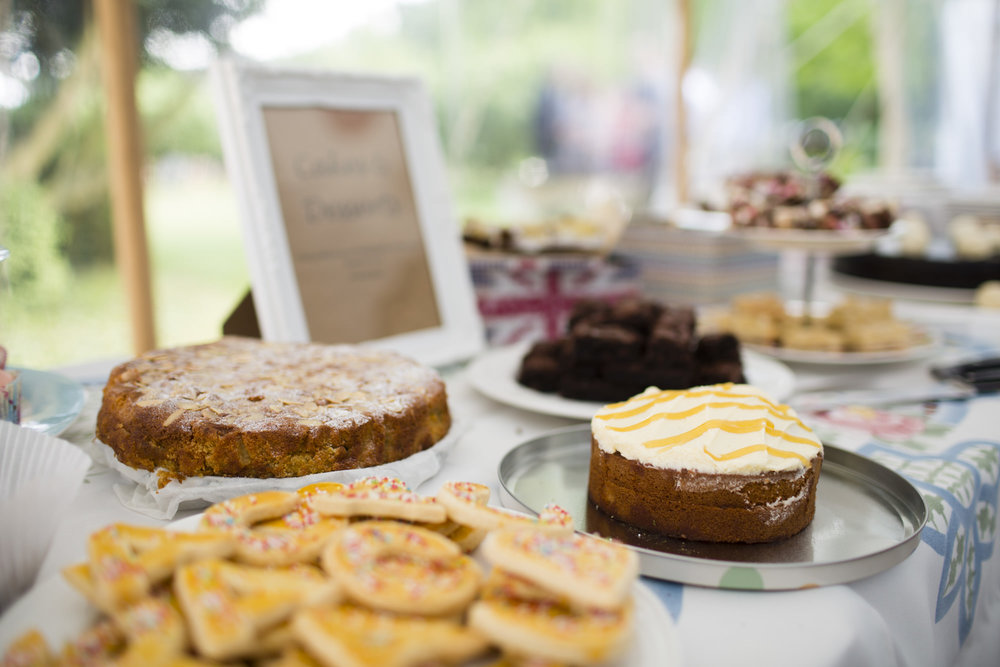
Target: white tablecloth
{"x": 941, "y": 606}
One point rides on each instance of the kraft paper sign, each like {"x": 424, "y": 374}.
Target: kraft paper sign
{"x": 353, "y": 233}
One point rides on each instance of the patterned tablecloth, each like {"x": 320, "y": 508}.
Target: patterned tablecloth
{"x": 924, "y": 610}
{"x": 940, "y": 606}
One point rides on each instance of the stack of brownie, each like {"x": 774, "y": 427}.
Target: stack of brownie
{"x": 611, "y": 352}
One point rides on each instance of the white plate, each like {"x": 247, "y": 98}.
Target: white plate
{"x": 60, "y": 613}
{"x": 926, "y": 343}
{"x": 49, "y": 401}
{"x": 832, "y": 241}
{"x": 494, "y": 373}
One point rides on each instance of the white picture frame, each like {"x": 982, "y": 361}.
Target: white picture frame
{"x": 306, "y": 240}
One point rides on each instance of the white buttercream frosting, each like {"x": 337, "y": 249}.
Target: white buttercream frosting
{"x": 723, "y": 428}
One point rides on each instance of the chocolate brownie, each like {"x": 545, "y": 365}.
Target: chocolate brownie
{"x": 540, "y": 368}
{"x": 716, "y": 347}
{"x": 672, "y": 337}
{"x": 637, "y": 314}
{"x": 588, "y": 310}
{"x": 610, "y": 352}
{"x": 605, "y": 342}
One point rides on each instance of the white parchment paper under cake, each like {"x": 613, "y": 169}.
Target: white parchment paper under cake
{"x": 139, "y": 489}
{"x": 39, "y": 478}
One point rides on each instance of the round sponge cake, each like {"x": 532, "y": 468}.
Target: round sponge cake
{"x": 241, "y": 407}
{"x": 718, "y": 463}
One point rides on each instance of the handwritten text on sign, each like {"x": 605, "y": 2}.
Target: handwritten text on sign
{"x": 351, "y": 219}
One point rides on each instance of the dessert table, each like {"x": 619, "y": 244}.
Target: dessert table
{"x": 940, "y": 606}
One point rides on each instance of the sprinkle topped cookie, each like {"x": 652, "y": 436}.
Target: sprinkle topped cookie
{"x": 589, "y": 571}
{"x": 399, "y": 568}
{"x": 385, "y": 497}
{"x": 229, "y": 605}
{"x": 363, "y": 637}
{"x": 465, "y": 503}
{"x": 521, "y": 620}
{"x": 389, "y": 592}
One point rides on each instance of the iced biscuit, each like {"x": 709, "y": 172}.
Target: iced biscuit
{"x": 127, "y": 561}
{"x": 293, "y": 656}
{"x": 79, "y": 577}
{"x": 348, "y": 636}
{"x": 467, "y": 537}
{"x": 246, "y": 510}
{"x": 464, "y": 505}
{"x": 589, "y": 571}
{"x": 379, "y": 497}
{"x": 547, "y": 628}
{"x": 230, "y": 606}
{"x": 275, "y": 527}
{"x": 97, "y": 645}
{"x": 401, "y": 568}
{"x": 154, "y": 630}
{"x": 28, "y": 650}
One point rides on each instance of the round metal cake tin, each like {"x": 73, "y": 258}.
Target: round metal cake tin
{"x": 868, "y": 518}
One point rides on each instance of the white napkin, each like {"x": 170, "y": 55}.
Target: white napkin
{"x": 39, "y": 477}
{"x": 139, "y": 489}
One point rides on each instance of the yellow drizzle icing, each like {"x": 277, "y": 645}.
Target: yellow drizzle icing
{"x": 684, "y": 414}
{"x": 724, "y": 390}
{"x": 758, "y": 448}
{"x": 636, "y": 406}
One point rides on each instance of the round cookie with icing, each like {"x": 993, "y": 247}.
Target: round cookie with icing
{"x": 588, "y": 572}
{"x": 522, "y": 621}
{"x": 400, "y": 568}
{"x": 720, "y": 463}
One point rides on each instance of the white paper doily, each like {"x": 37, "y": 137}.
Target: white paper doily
{"x": 138, "y": 490}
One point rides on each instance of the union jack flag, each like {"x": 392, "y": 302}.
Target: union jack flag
{"x": 530, "y": 298}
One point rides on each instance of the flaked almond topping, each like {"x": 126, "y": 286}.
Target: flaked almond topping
{"x": 310, "y": 422}
{"x": 173, "y": 417}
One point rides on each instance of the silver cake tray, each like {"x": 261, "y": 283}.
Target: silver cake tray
{"x": 868, "y": 519}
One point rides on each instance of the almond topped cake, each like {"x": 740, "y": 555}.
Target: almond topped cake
{"x": 241, "y": 407}
{"x": 717, "y": 463}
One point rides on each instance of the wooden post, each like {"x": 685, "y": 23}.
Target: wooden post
{"x": 681, "y": 179}
{"x": 116, "y": 22}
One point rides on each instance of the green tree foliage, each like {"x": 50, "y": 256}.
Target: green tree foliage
{"x": 32, "y": 227}
{"x": 56, "y": 139}
{"x": 835, "y": 72}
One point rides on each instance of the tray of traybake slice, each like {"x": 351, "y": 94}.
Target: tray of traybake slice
{"x": 868, "y": 519}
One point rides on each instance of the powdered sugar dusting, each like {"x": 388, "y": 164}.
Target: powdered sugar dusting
{"x": 250, "y": 385}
